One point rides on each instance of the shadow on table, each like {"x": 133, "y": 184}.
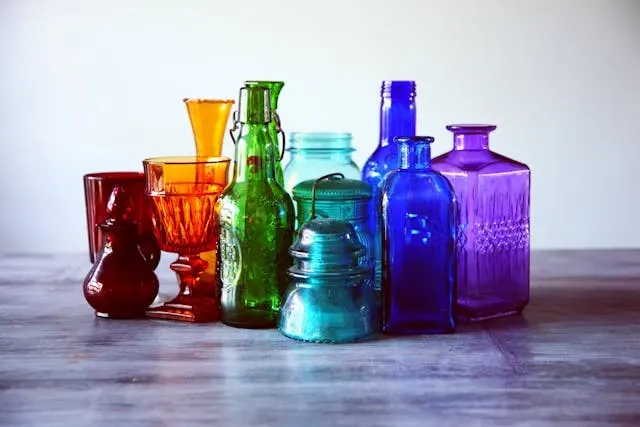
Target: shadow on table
{"x": 585, "y": 300}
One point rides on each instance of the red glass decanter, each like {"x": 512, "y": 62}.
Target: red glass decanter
{"x": 121, "y": 284}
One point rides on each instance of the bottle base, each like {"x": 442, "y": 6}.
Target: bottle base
{"x": 330, "y": 340}
{"x": 469, "y": 314}
{"x": 413, "y": 328}
{"x": 435, "y": 331}
{"x": 255, "y": 320}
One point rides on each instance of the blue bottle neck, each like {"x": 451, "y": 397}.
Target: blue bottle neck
{"x": 415, "y": 153}
{"x": 397, "y": 110}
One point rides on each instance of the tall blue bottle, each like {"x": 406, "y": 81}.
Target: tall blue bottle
{"x": 397, "y": 118}
{"x": 418, "y": 209}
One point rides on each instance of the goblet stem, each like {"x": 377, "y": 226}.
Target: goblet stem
{"x": 194, "y": 302}
{"x": 188, "y": 269}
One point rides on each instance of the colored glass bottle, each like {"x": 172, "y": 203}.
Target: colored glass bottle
{"x": 275, "y": 125}
{"x": 493, "y": 194}
{"x": 397, "y": 118}
{"x": 418, "y": 244}
{"x": 255, "y": 216}
{"x": 121, "y": 284}
{"x": 314, "y": 154}
{"x": 208, "y": 118}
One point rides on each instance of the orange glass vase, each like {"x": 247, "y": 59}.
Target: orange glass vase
{"x": 208, "y": 119}
{"x": 183, "y": 193}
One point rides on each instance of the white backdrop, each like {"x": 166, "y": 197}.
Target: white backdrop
{"x": 97, "y": 85}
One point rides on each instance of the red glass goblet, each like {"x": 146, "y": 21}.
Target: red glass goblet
{"x": 183, "y": 193}
{"x": 97, "y": 190}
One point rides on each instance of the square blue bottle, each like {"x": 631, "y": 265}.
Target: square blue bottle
{"x": 418, "y": 244}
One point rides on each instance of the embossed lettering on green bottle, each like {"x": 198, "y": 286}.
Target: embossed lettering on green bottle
{"x": 255, "y": 217}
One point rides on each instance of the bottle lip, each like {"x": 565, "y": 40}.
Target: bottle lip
{"x": 320, "y": 141}
{"x": 414, "y": 139}
{"x": 114, "y": 175}
{"x": 264, "y": 83}
{"x": 471, "y": 128}
{"x": 398, "y": 88}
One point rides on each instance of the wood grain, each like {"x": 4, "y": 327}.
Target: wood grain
{"x": 573, "y": 358}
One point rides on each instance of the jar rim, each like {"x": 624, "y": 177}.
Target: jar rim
{"x": 322, "y": 140}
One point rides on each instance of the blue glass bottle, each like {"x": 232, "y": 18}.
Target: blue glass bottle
{"x": 397, "y": 118}
{"x": 418, "y": 244}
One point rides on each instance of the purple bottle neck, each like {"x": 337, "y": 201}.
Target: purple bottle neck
{"x": 471, "y": 137}
{"x": 397, "y": 110}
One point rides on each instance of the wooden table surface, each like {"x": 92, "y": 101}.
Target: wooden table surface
{"x": 572, "y": 358}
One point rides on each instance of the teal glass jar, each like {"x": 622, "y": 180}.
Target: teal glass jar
{"x": 334, "y": 196}
{"x": 314, "y": 154}
{"x": 337, "y": 197}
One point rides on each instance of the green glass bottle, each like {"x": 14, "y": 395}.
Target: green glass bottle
{"x": 255, "y": 218}
{"x": 275, "y": 125}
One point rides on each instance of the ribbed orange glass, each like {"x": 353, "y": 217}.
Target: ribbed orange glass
{"x": 183, "y": 192}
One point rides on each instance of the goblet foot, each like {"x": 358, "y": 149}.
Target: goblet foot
{"x": 187, "y": 308}
{"x": 195, "y": 302}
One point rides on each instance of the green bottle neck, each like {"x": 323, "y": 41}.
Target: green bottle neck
{"x": 254, "y": 161}
{"x": 275, "y": 87}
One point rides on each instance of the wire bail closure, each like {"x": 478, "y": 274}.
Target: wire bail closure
{"x": 313, "y": 190}
{"x": 234, "y": 127}
{"x": 276, "y": 119}
{"x": 278, "y": 124}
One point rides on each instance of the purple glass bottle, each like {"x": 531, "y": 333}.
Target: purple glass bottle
{"x": 493, "y": 215}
